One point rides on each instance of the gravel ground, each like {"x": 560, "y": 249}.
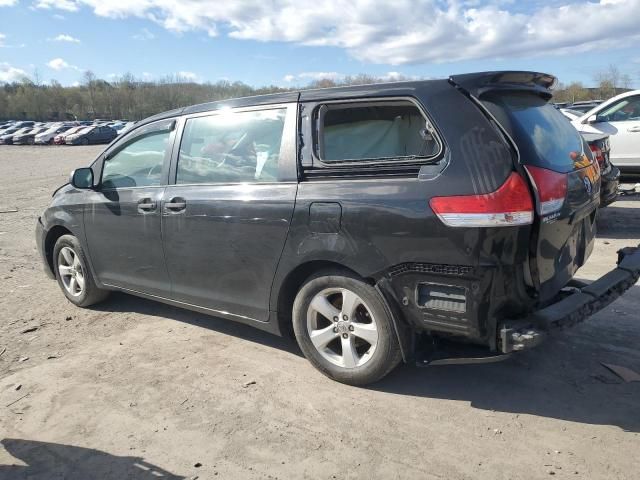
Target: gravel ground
{"x": 133, "y": 389}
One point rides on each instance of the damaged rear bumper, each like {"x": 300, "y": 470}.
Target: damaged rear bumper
{"x": 522, "y": 334}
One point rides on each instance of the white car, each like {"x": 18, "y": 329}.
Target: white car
{"x": 48, "y": 135}
{"x": 571, "y": 114}
{"x": 619, "y": 117}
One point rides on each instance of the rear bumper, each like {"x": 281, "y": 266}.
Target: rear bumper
{"x": 609, "y": 186}
{"x": 527, "y": 333}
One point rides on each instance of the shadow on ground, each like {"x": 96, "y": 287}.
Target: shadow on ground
{"x": 46, "y": 461}
{"x": 122, "y": 302}
{"x": 562, "y": 379}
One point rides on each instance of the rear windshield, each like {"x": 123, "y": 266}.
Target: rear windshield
{"x": 541, "y": 132}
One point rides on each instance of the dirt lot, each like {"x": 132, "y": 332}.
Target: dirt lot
{"x": 138, "y": 390}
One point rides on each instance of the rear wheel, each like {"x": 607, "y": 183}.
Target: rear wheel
{"x": 344, "y": 330}
{"x": 73, "y": 274}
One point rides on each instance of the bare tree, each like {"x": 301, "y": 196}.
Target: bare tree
{"x": 89, "y": 81}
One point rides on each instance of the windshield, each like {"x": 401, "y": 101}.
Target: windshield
{"x": 542, "y": 134}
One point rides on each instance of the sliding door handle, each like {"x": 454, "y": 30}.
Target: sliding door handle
{"x": 146, "y": 205}
{"x": 176, "y": 204}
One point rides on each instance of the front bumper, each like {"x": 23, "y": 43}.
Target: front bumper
{"x": 41, "y": 235}
{"x": 573, "y": 308}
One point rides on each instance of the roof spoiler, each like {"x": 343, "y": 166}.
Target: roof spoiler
{"x": 477, "y": 84}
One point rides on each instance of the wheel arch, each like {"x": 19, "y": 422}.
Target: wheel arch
{"x": 50, "y": 240}
{"x": 290, "y": 285}
{"x": 292, "y": 282}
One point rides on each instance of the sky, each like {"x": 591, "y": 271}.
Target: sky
{"x": 292, "y": 42}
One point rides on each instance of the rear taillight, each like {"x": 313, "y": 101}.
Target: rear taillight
{"x": 597, "y": 154}
{"x": 551, "y": 187}
{"x": 511, "y": 204}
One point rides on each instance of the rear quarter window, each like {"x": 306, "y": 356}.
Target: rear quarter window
{"x": 373, "y": 132}
{"x": 543, "y": 135}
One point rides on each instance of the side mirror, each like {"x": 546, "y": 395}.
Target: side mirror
{"x": 82, "y": 178}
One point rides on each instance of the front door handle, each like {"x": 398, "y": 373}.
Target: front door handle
{"x": 633, "y": 129}
{"x": 176, "y": 204}
{"x": 146, "y": 205}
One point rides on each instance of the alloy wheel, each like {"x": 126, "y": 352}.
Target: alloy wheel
{"x": 71, "y": 271}
{"x": 342, "y": 328}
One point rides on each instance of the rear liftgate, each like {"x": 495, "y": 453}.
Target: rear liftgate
{"x": 566, "y": 189}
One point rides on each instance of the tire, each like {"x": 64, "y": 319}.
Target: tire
{"x": 73, "y": 274}
{"x": 84, "y": 141}
{"x": 366, "y": 330}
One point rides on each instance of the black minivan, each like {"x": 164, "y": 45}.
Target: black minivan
{"x": 373, "y": 222}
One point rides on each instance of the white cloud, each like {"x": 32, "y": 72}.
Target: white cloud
{"x": 188, "y": 76}
{"x": 65, "y": 38}
{"x": 5, "y": 45}
{"x": 306, "y": 77}
{"x": 68, "y": 5}
{"x": 144, "y": 34}
{"x": 10, "y": 74}
{"x": 399, "y": 32}
{"x": 60, "y": 64}
{"x": 7, "y": 3}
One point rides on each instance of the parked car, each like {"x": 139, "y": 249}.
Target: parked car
{"x": 126, "y": 127}
{"x": 28, "y": 138}
{"x": 7, "y": 137}
{"x": 24, "y": 124}
{"x": 601, "y": 149}
{"x": 359, "y": 218}
{"x": 618, "y": 117}
{"x": 61, "y": 137}
{"x": 585, "y": 105}
{"x": 571, "y": 114}
{"x": 49, "y": 135}
{"x": 91, "y": 135}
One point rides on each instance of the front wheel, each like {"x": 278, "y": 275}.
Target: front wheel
{"x": 344, "y": 330}
{"x": 73, "y": 274}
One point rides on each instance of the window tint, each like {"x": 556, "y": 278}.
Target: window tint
{"x": 374, "y": 132}
{"x": 231, "y": 147}
{"x": 626, "y": 110}
{"x": 139, "y": 164}
{"x": 542, "y": 133}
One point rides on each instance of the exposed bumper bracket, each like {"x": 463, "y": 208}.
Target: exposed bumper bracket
{"x": 574, "y": 308}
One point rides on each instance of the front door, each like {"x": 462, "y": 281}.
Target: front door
{"x": 122, "y": 216}
{"x": 227, "y": 215}
{"x": 621, "y": 120}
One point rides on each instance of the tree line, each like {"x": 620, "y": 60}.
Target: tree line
{"x": 133, "y": 99}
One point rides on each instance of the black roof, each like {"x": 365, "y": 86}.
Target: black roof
{"x": 378, "y": 89}
{"x": 474, "y": 82}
